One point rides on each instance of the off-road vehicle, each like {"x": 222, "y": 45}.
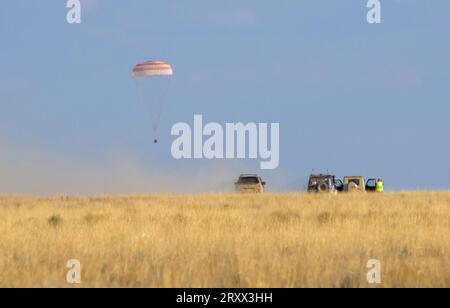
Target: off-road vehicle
{"x": 250, "y": 183}
{"x": 324, "y": 183}
{"x": 358, "y": 184}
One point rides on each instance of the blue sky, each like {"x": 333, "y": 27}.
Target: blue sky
{"x": 350, "y": 97}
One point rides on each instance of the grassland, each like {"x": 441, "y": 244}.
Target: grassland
{"x": 291, "y": 240}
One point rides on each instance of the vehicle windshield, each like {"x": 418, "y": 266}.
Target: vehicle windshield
{"x": 318, "y": 180}
{"x": 248, "y": 180}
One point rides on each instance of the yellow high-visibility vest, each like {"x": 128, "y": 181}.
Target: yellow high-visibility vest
{"x": 380, "y": 186}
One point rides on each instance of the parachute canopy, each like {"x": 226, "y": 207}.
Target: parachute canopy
{"x": 152, "y": 68}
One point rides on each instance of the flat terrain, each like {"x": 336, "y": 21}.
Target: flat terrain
{"x": 291, "y": 240}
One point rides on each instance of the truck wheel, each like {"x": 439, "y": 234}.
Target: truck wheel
{"x": 323, "y": 187}
{"x": 352, "y": 187}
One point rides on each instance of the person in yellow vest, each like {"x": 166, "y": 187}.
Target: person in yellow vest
{"x": 379, "y": 186}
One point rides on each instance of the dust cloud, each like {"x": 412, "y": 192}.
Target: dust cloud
{"x": 35, "y": 172}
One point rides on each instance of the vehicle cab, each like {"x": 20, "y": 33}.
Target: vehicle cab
{"x": 250, "y": 183}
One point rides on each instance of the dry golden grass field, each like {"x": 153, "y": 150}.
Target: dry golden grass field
{"x": 292, "y": 240}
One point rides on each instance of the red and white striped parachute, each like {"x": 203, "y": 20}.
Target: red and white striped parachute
{"x": 152, "y": 68}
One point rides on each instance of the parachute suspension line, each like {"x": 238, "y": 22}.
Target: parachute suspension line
{"x": 145, "y": 101}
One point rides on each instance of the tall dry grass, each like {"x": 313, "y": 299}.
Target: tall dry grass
{"x": 227, "y": 240}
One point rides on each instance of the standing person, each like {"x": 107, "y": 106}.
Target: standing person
{"x": 379, "y": 186}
